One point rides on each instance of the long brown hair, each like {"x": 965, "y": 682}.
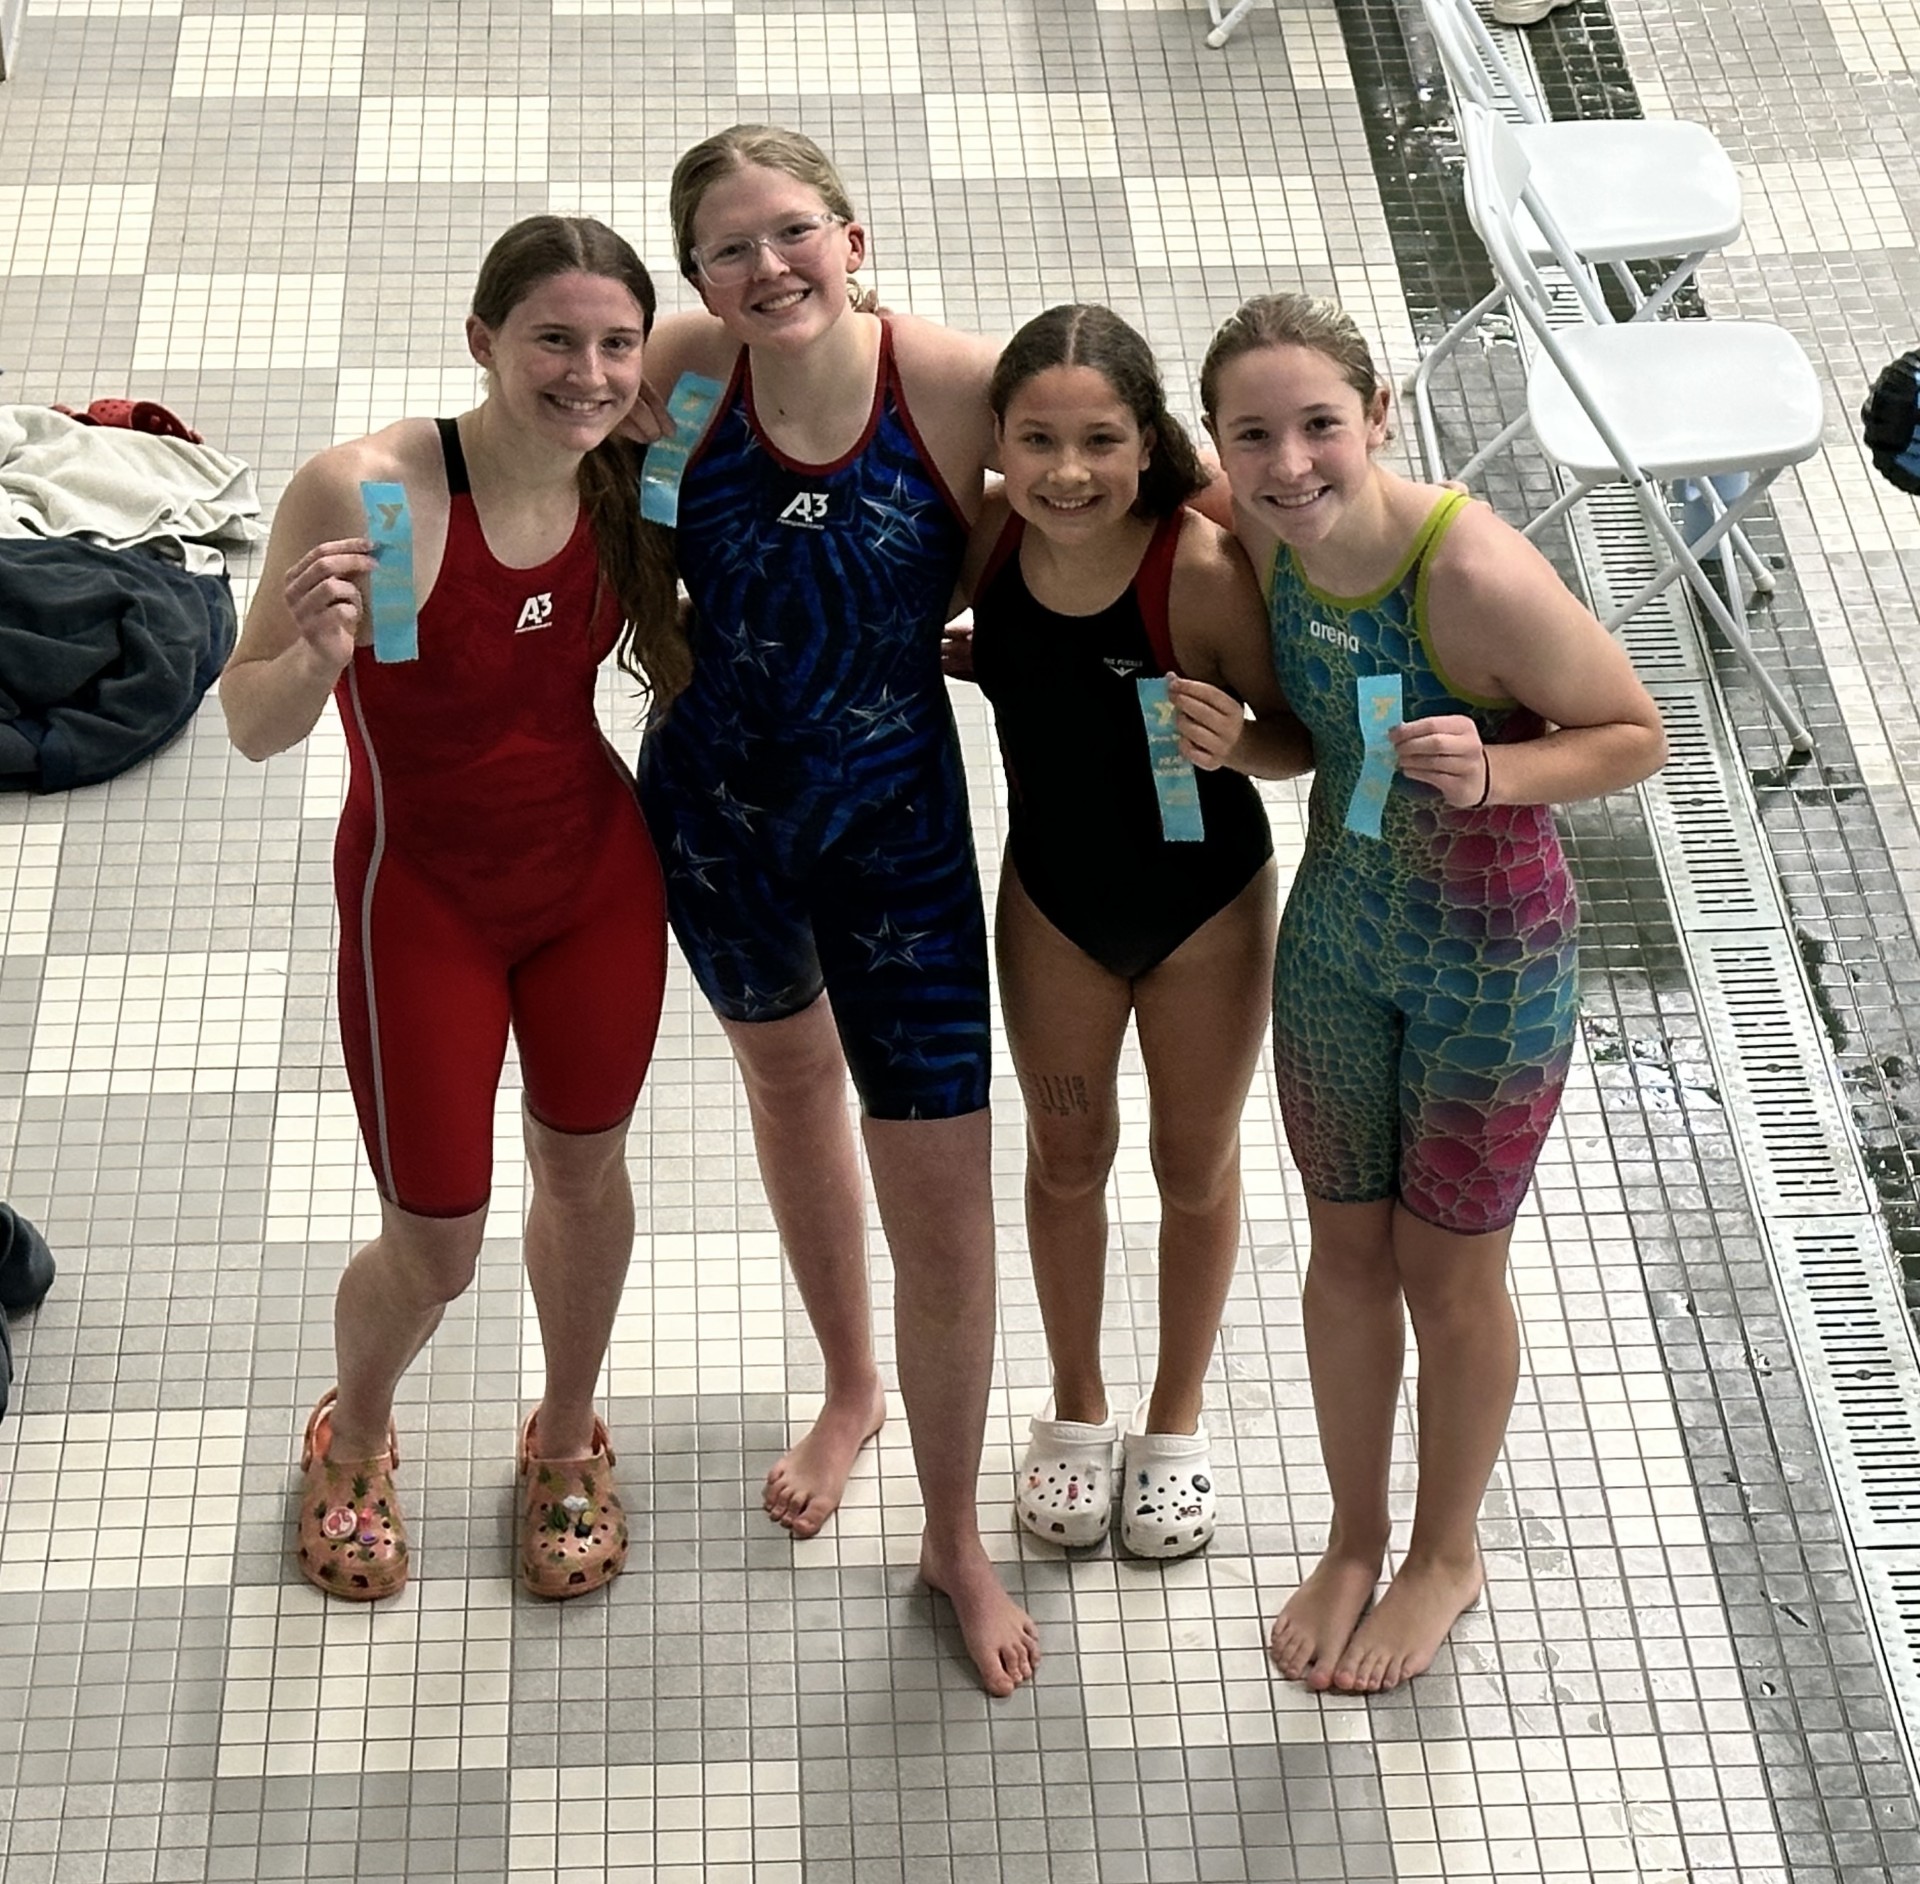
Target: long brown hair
{"x": 635, "y": 557}
{"x": 1083, "y": 334}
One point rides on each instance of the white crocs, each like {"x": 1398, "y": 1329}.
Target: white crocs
{"x": 1064, "y": 1494}
{"x": 1167, "y": 1506}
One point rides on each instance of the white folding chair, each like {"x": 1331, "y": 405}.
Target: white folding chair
{"x": 1644, "y": 402}
{"x": 1622, "y": 190}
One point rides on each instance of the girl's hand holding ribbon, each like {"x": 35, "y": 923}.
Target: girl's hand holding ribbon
{"x": 1209, "y": 719}
{"x": 1444, "y": 752}
{"x": 326, "y": 596}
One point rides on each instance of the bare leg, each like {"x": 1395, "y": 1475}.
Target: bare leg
{"x": 579, "y": 1240}
{"x": 1356, "y": 1348}
{"x": 1202, "y": 1015}
{"x": 1066, "y": 1017}
{"x": 391, "y": 1298}
{"x": 931, "y": 1178}
{"x": 796, "y": 1081}
{"x": 1456, "y": 1290}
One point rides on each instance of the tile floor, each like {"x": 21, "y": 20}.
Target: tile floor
{"x": 270, "y": 219}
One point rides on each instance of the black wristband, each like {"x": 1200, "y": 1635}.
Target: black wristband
{"x": 1486, "y": 762}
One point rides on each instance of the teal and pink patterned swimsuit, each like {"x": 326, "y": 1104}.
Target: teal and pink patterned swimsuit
{"x": 1424, "y": 998}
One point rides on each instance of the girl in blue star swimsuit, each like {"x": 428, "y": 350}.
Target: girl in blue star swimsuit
{"x": 806, "y": 796}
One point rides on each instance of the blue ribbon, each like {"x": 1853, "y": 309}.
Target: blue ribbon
{"x": 1174, "y": 782}
{"x": 1378, "y": 700}
{"x": 689, "y": 405}
{"x": 396, "y": 623}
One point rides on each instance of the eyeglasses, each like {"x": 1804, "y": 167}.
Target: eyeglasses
{"x": 733, "y": 259}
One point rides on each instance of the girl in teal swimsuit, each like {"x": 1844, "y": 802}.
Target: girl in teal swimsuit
{"x": 1424, "y": 986}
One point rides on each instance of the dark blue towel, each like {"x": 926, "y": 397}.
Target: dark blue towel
{"x": 104, "y": 655}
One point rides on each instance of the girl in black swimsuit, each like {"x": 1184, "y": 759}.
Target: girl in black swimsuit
{"x": 1088, "y": 575}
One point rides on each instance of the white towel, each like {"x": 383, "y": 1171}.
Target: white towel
{"x": 115, "y": 487}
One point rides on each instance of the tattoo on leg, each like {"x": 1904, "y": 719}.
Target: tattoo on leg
{"x": 1057, "y": 1094}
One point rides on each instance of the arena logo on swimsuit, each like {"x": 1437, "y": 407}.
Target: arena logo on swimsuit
{"x": 806, "y": 510}
{"x": 1326, "y": 631}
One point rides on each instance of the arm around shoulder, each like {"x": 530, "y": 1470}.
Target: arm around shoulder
{"x": 946, "y": 375}
{"x": 308, "y": 611}
{"x": 954, "y": 358}
{"x": 690, "y": 341}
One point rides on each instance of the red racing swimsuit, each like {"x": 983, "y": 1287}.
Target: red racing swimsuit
{"x": 492, "y": 867}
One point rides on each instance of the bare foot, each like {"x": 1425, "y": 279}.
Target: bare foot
{"x": 806, "y": 1483}
{"x": 999, "y": 1634}
{"x": 1402, "y": 1636}
{"x": 1320, "y": 1617}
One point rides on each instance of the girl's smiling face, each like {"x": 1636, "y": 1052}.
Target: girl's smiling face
{"x": 566, "y": 360}
{"x": 1296, "y": 440}
{"x": 788, "y": 298}
{"x": 1072, "y": 452}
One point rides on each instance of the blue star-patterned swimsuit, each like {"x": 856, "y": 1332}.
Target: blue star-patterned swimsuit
{"x": 806, "y": 793}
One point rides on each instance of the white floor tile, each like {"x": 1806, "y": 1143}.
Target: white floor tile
{"x": 118, "y": 1501}
{"x": 75, "y": 228}
{"x": 181, "y": 1022}
{"x": 981, "y": 136}
{"x": 810, "y": 53}
{"x": 239, "y": 322}
{"x": 1251, "y": 223}
{"x": 30, "y": 866}
{"x": 468, "y": 139}
{"x": 1836, "y": 206}
{"x": 276, "y": 55}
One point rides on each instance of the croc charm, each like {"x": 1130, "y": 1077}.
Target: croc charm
{"x": 352, "y": 1538}
{"x": 1064, "y": 1494}
{"x": 573, "y": 1527}
{"x": 1890, "y": 420}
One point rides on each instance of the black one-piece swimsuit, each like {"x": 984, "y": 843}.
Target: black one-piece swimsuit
{"x": 1086, "y": 836}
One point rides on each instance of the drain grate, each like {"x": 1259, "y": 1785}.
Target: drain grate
{"x": 1853, "y": 1344}
{"x": 1616, "y": 557}
{"x": 1860, "y": 1372}
{"x": 1892, "y": 1588}
{"x": 1800, "y": 1155}
{"x": 1718, "y": 869}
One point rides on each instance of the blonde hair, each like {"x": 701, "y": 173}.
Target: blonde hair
{"x": 746, "y": 147}
{"x": 1290, "y": 320}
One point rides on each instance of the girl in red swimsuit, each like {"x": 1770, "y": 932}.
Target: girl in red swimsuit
{"x": 492, "y": 868}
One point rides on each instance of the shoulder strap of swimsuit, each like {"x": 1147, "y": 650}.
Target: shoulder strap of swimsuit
{"x": 1434, "y": 527}
{"x": 458, "y": 483}
{"x": 1005, "y": 548}
{"x": 1153, "y": 589}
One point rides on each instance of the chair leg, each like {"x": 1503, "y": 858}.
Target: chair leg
{"x": 1763, "y": 577}
{"x": 1559, "y": 508}
{"x": 1677, "y": 278}
{"x": 1420, "y": 384}
{"x": 1763, "y": 582}
{"x": 1685, "y": 562}
{"x": 1224, "y": 23}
